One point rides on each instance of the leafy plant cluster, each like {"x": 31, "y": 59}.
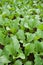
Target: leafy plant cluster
{"x": 21, "y": 32}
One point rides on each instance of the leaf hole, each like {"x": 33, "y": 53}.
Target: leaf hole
{"x": 31, "y": 57}
{"x": 1, "y": 46}
{"x": 21, "y": 16}
{"x": 34, "y": 30}
{"x": 14, "y": 18}
{"x": 40, "y": 39}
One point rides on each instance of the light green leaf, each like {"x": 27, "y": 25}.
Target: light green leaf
{"x": 18, "y": 62}
{"x": 21, "y": 55}
{"x": 3, "y": 59}
{"x": 30, "y": 37}
{"x": 40, "y": 26}
{"x": 16, "y": 44}
{"x": 20, "y": 35}
{"x": 29, "y": 48}
{"x": 38, "y": 60}
{"x": 28, "y": 63}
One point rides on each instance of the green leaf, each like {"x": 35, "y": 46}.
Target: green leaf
{"x": 38, "y": 34}
{"x": 14, "y": 26}
{"x": 3, "y": 59}
{"x": 1, "y": 37}
{"x": 38, "y": 60}
{"x": 16, "y": 44}
{"x": 1, "y": 20}
{"x": 40, "y": 26}
{"x": 18, "y": 62}
{"x": 20, "y": 35}
{"x": 1, "y": 63}
{"x": 38, "y": 46}
{"x": 1, "y": 52}
{"x": 29, "y": 48}
{"x": 28, "y": 63}
{"x": 30, "y": 37}
{"x": 21, "y": 55}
